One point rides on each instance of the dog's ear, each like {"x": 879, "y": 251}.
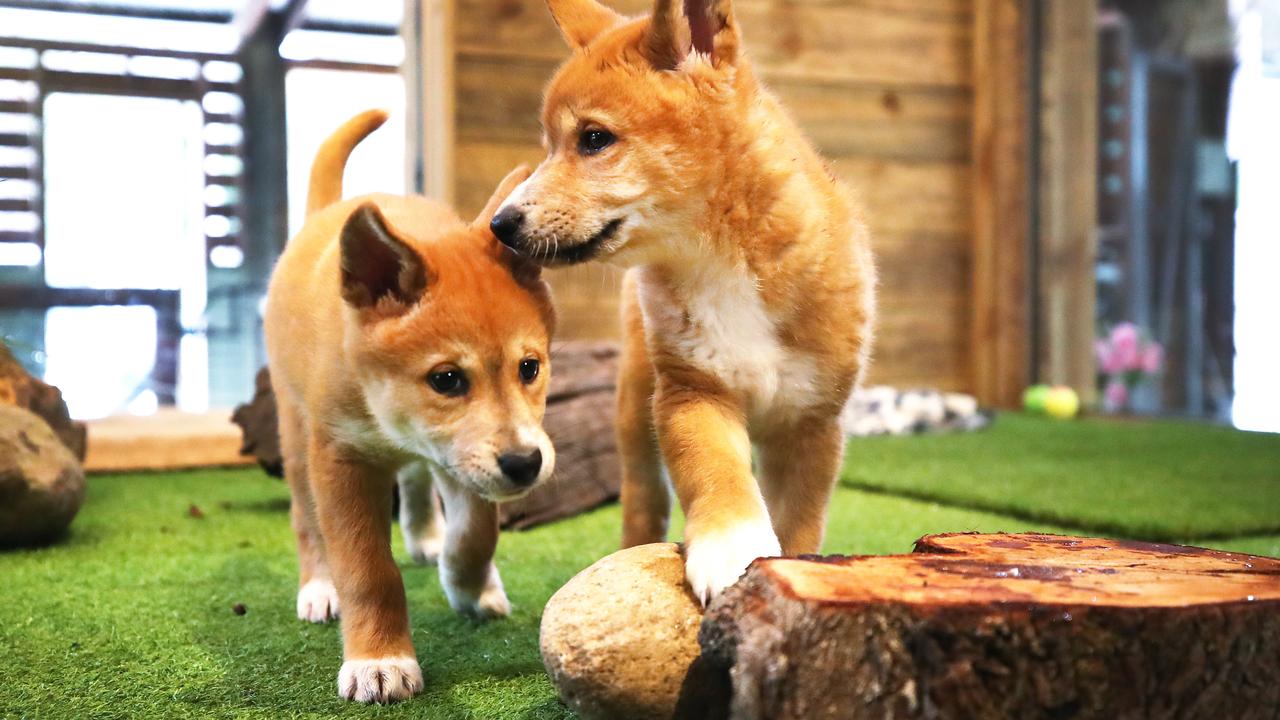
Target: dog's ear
{"x": 508, "y": 184}
{"x": 580, "y": 21}
{"x": 710, "y": 30}
{"x": 377, "y": 265}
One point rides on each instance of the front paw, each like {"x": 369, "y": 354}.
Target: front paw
{"x": 488, "y": 603}
{"x": 380, "y": 680}
{"x": 317, "y": 601}
{"x": 425, "y": 550}
{"x": 715, "y": 560}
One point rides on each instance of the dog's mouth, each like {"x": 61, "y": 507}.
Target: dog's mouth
{"x": 584, "y": 251}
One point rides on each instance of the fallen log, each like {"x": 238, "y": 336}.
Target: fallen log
{"x": 995, "y": 626}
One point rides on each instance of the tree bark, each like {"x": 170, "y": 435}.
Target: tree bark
{"x": 996, "y": 626}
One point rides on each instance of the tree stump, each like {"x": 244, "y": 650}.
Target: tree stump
{"x": 579, "y": 421}
{"x": 995, "y": 626}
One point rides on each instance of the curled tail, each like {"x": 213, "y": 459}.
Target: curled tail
{"x": 331, "y": 160}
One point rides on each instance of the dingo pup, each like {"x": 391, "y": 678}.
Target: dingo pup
{"x": 749, "y": 307}
{"x": 405, "y": 345}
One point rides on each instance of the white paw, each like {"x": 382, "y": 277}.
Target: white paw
{"x": 381, "y": 680}
{"x": 714, "y": 561}
{"x": 317, "y": 601}
{"x": 425, "y": 550}
{"x": 490, "y": 603}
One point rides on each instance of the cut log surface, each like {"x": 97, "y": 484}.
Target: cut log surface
{"x": 996, "y": 626}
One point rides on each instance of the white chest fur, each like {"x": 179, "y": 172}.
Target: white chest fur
{"x": 715, "y": 319}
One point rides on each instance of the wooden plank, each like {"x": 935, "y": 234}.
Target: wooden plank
{"x": 15, "y": 140}
{"x": 1068, "y": 197}
{"x": 16, "y": 173}
{"x": 904, "y": 197}
{"x": 500, "y": 100}
{"x": 1000, "y": 327}
{"x": 168, "y": 440}
{"x": 16, "y": 205}
{"x": 429, "y": 35}
{"x": 927, "y": 43}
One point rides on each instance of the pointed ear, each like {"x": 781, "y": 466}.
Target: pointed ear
{"x": 666, "y": 41}
{"x": 712, "y": 29}
{"x": 509, "y": 183}
{"x": 580, "y": 21}
{"x": 377, "y": 265}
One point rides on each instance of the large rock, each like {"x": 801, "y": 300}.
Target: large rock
{"x": 21, "y": 389}
{"x": 618, "y": 638}
{"x": 41, "y": 482}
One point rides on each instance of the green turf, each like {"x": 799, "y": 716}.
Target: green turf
{"x": 132, "y": 615}
{"x": 1151, "y": 480}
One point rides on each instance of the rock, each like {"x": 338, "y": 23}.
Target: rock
{"x": 22, "y": 389}
{"x": 41, "y": 483}
{"x": 258, "y": 423}
{"x": 618, "y": 638}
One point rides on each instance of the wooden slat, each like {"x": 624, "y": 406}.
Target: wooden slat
{"x": 1068, "y": 201}
{"x": 926, "y": 43}
{"x": 15, "y": 140}
{"x": 16, "y": 236}
{"x": 8, "y": 73}
{"x": 15, "y": 106}
{"x": 904, "y": 197}
{"x": 1000, "y": 326}
{"x": 501, "y": 100}
{"x": 16, "y": 205}
{"x": 16, "y": 173}
{"x": 222, "y": 149}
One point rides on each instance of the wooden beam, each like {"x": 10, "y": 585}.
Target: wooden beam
{"x": 249, "y": 20}
{"x": 428, "y": 32}
{"x": 1000, "y": 319}
{"x": 1068, "y": 195}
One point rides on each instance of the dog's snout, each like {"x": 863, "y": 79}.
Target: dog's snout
{"x": 521, "y": 467}
{"x": 506, "y": 225}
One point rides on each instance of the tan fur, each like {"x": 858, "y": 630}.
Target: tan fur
{"x": 350, "y": 367}
{"x": 748, "y": 310}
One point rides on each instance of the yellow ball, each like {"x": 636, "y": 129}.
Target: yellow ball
{"x": 1062, "y": 403}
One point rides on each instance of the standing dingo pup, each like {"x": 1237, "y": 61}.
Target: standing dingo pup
{"x": 403, "y": 344}
{"x": 749, "y": 307}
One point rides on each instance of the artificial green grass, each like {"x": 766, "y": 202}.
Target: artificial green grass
{"x": 131, "y": 616}
{"x": 1164, "y": 481}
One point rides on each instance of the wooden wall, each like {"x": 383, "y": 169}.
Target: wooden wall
{"x": 884, "y": 87}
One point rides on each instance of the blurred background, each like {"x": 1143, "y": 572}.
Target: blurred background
{"x": 1037, "y": 174}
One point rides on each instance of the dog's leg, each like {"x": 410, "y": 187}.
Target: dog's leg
{"x": 353, "y": 505}
{"x": 704, "y": 441}
{"x": 421, "y": 521}
{"x": 467, "y": 573}
{"x": 646, "y": 500}
{"x": 799, "y": 468}
{"x": 317, "y": 599}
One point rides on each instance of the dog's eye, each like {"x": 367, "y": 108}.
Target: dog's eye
{"x": 591, "y": 142}
{"x": 529, "y": 370}
{"x": 451, "y": 382}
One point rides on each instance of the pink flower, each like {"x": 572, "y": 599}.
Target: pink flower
{"x": 1107, "y": 358}
{"x": 1124, "y": 347}
{"x": 1152, "y": 358}
{"x": 1116, "y": 395}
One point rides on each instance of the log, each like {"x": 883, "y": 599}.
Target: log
{"x": 579, "y": 420}
{"x": 995, "y": 626}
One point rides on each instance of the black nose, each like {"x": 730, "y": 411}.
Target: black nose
{"x": 521, "y": 468}
{"x": 506, "y": 225}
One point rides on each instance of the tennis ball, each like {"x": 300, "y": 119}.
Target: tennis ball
{"x": 1062, "y": 403}
{"x": 1034, "y": 397}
